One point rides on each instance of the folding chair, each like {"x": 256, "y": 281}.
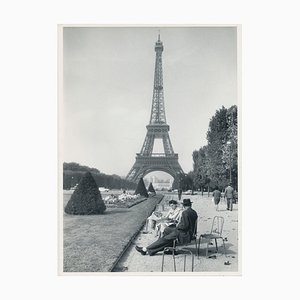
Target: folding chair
{"x": 215, "y": 234}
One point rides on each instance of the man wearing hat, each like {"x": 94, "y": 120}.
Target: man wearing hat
{"x": 183, "y": 231}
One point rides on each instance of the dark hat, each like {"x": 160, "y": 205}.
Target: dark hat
{"x": 173, "y": 202}
{"x": 187, "y": 202}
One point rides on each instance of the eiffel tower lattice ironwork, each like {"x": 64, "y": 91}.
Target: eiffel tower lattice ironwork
{"x": 146, "y": 161}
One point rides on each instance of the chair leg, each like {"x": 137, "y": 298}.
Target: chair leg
{"x": 162, "y": 263}
{"x": 199, "y": 246}
{"x": 216, "y": 245}
{"x": 192, "y": 258}
{"x": 163, "y": 259}
{"x": 207, "y": 248}
{"x": 173, "y": 254}
{"x": 224, "y": 247}
{"x": 192, "y": 263}
{"x": 196, "y": 247}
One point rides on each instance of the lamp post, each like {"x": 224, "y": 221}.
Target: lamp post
{"x": 229, "y": 143}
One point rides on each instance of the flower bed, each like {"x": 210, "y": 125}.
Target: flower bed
{"x": 123, "y": 201}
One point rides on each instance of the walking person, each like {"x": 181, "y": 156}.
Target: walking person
{"x": 183, "y": 231}
{"x": 217, "y": 197}
{"x": 229, "y": 196}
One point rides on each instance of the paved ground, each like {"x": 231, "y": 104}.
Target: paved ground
{"x": 132, "y": 261}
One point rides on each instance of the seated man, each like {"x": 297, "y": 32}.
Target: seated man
{"x": 162, "y": 221}
{"x": 183, "y": 231}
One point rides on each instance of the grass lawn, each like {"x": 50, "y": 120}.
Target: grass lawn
{"x": 94, "y": 243}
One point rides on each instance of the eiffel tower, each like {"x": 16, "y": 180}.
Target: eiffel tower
{"x": 146, "y": 161}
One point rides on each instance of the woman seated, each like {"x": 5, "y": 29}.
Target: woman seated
{"x": 160, "y": 221}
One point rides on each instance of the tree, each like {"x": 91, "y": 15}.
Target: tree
{"x": 190, "y": 181}
{"x": 73, "y": 172}
{"x": 86, "y": 199}
{"x": 201, "y": 168}
{"x": 73, "y": 166}
{"x": 230, "y": 153}
{"x": 214, "y": 162}
{"x": 151, "y": 188}
{"x": 141, "y": 189}
{"x": 216, "y": 138}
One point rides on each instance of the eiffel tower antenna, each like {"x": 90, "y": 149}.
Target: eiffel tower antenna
{"x": 147, "y": 161}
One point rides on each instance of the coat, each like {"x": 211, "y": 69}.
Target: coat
{"x": 229, "y": 192}
{"x": 183, "y": 232}
{"x": 186, "y": 226}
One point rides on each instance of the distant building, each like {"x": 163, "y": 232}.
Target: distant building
{"x": 160, "y": 184}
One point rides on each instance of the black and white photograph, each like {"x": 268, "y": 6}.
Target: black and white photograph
{"x": 148, "y": 149}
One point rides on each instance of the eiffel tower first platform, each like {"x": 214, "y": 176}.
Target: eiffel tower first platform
{"x": 146, "y": 161}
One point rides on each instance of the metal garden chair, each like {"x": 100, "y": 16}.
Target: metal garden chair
{"x": 215, "y": 234}
{"x": 181, "y": 247}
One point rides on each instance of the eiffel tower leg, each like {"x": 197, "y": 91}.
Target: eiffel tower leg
{"x": 167, "y": 144}
{"x": 136, "y": 172}
{"x": 133, "y": 174}
{"x": 148, "y": 144}
{"x": 177, "y": 184}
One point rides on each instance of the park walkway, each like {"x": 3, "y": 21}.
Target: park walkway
{"x": 133, "y": 261}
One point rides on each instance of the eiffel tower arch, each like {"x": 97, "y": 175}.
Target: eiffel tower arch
{"x": 146, "y": 161}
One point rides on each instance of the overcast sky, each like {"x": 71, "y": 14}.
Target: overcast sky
{"x": 108, "y": 84}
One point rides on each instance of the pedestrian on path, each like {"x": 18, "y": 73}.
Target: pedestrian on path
{"x": 229, "y": 196}
{"x": 216, "y": 197}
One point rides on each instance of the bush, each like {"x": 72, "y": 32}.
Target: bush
{"x": 141, "y": 189}
{"x": 151, "y": 189}
{"x": 86, "y": 199}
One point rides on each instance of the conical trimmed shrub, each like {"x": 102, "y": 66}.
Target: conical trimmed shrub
{"x": 151, "y": 188}
{"x": 141, "y": 189}
{"x": 86, "y": 199}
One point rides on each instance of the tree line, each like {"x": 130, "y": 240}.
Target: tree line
{"x": 216, "y": 164}
{"x": 73, "y": 172}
